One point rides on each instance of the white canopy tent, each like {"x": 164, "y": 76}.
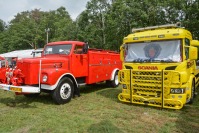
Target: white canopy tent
{"x": 23, "y": 53}
{"x": 19, "y": 54}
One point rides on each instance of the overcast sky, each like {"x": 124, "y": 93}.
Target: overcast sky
{"x": 10, "y": 8}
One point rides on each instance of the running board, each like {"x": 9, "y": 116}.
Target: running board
{"x": 82, "y": 84}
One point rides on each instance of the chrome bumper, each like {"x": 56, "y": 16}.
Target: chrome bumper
{"x": 20, "y": 89}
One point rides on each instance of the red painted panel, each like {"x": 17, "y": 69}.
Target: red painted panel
{"x": 101, "y": 65}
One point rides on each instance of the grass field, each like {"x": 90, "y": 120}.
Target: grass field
{"x": 96, "y": 111}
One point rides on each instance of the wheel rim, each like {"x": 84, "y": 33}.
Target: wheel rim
{"x": 116, "y": 80}
{"x": 65, "y": 91}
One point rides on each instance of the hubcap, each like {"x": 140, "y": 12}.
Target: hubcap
{"x": 65, "y": 91}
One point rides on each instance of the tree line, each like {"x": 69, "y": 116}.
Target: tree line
{"x": 103, "y": 24}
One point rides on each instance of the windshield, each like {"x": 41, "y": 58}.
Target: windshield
{"x": 157, "y": 51}
{"x": 58, "y": 49}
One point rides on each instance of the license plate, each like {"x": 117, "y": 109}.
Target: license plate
{"x": 15, "y": 89}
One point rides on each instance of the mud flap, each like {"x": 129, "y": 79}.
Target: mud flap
{"x": 76, "y": 92}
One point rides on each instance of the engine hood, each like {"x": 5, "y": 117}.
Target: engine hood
{"x": 44, "y": 60}
{"x": 54, "y": 67}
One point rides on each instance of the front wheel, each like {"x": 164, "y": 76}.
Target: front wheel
{"x": 64, "y": 91}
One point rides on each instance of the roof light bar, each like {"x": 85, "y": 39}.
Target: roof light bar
{"x": 178, "y": 24}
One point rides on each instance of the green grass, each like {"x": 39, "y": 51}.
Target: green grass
{"x": 96, "y": 111}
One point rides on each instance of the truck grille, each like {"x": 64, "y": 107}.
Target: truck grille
{"x": 149, "y": 87}
{"x": 146, "y": 83}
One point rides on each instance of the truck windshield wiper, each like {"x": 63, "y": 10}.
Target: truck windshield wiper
{"x": 168, "y": 60}
{"x": 165, "y": 61}
{"x": 139, "y": 60}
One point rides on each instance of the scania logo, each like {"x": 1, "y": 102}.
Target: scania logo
{"x": 147, "y": 67}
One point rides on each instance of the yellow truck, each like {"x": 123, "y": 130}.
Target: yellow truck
{"x": 159, "y": 67}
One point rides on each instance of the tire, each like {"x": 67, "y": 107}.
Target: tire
{"x": 64, "y": 91}
{"x": 115, "y": 82}
{"x": 32, "y": 95}
{"x": 108, "y": 83}
{"x": 192, "y": 93}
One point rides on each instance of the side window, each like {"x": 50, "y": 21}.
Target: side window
{"x": 187, "y": 43}
{"x": 78, "y": 49}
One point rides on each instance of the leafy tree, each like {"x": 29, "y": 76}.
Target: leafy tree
{"x": 27, "y": 29}
{"x": 190, "y": 17}
{"x": 63, "y": 28}
{"x": 104, "y": 23}
{"x": 2, "y": 25}
{"x": 120, "y": 16}
{"x": 3, "y": 36}
{"x": 92, "y": 23}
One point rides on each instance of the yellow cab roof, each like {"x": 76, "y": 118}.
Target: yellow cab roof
{"x": 143, "y": 34}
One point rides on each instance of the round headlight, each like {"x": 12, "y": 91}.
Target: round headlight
{"x": 45, "y": 78}
{"x": 124, "y": 86}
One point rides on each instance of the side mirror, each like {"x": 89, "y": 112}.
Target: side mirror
{"x": 85, "y": 48}
{"x": 122, "y": 50}
{"x": 193, "y": 53}
{"x": 195, "y": 43}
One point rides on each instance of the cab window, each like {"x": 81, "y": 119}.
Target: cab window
{"x": 78, "y": 49}
{"x": 187, "y": 43}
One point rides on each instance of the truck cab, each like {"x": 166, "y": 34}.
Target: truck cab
{"x": 159, "y": 67}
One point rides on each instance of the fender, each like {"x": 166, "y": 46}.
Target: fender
{"x": 52, "y": 87}
{"x": 191, "y": 78}
{"x": 196, "y": 81}
{"x": 113, "y": 73}
{"x": 189, "y": 85}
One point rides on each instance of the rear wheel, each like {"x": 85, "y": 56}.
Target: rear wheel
{"x": 115, "y": 82}
{"x": 64, "y": 91}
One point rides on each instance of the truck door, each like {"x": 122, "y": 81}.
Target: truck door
{"x": 79, "y": 62}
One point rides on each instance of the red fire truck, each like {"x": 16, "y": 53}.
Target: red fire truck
{"x": 63, "y": 67}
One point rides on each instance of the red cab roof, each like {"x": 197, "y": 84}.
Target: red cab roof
{"x": 65, "y": 42}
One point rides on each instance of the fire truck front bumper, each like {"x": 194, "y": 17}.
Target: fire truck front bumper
{"x": 20, "y": 89}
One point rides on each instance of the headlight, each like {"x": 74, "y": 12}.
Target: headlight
{"x": 122, "y": 75}
{"x": 124, "y": 86}
{"x": 45, "y": 78}
{"x": 177, "y": 91}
